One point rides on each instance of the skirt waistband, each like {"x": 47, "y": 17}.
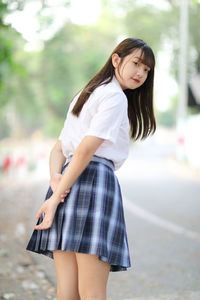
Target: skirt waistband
{"x": 96, "y": 158}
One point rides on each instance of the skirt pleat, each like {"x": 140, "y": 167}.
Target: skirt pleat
{"x": 91, "y": 219}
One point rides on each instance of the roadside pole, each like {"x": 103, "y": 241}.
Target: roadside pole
{"x": 183, "y": 80}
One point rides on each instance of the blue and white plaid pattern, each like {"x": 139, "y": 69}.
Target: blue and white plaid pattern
{"x": 91, "y": 220}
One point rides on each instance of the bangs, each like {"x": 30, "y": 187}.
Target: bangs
{"x": 147, "y": 57}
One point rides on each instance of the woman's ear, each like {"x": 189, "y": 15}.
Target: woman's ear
{"x": 115, "y": 60}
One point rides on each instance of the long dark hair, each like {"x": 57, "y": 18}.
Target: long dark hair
{"x": 140, "y": 100}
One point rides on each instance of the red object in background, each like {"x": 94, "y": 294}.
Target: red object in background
{"x": 6, "y": 164}
{"x": 20, "y": 161}
{"x": 181, "y": 140}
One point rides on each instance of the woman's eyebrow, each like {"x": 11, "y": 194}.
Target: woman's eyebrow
{"x": 141, "y": 61}
{"x": 137, "y": 57}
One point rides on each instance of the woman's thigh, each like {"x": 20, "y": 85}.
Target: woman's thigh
{"x": 67, "y": 274}
{"x": 92, "y": 276}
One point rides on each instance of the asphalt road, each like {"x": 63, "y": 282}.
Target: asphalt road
{"x": 162, "y": 211}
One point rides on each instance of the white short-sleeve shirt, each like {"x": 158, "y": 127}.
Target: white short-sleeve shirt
{"x": 104, "y": 115}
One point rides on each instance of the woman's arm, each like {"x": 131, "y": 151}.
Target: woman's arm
{"x": 56, "y": 160}
{"x": 78, "y": 163}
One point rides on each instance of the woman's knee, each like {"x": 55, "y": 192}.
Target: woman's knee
{"x": 90, "y": 292}
{"x": 92, "y": 276}
{"x": 62, "y": 295}
{"x": 90, "y": 297}
{"x": 67, "y": 275}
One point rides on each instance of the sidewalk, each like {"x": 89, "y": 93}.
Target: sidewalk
{"x": 20, "y": 277}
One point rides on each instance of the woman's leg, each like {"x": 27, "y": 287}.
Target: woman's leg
{"x": 67, "y": 275}
{"x": 92, "y": 276}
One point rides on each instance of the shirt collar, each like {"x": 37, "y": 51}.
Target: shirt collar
{"x": 116, "y": 82}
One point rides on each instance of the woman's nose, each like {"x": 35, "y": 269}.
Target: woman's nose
{"x": 140, "y": 72}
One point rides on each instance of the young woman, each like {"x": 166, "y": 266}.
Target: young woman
{"x": 81, "y": 223}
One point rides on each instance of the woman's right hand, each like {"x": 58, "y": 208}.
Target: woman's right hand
{"x": 48, "y": 210}
{"x": 54, "y": 181}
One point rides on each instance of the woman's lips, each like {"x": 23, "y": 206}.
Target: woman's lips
{"x": 136, "y": 80}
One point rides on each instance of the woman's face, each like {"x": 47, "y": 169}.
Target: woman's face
{"x": 131, "y": 73}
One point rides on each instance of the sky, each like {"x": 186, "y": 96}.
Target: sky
{"x": 85, "y": 12}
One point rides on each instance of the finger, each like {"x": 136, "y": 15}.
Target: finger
{"x": 37, "y": 227}
{"x": 44, "y": 225}
{"x": 39, "y": 214}
{"x": 62, "y": 197}
{"x": 40, "y": 227}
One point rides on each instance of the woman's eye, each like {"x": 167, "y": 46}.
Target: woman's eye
{"x": 146, "y": 70}
{"x": 136, "y": 63}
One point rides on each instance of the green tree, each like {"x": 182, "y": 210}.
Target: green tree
{"x": 40, "y": 96}
{"x": 7, "y": 63}
{"x": 69, "y": 60}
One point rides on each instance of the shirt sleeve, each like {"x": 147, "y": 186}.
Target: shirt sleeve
{"x": 61, "y": 136}
{"x": 62, "y": 133}
{"x": 107, "y": 120}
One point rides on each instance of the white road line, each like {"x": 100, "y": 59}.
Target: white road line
{"x": 150, "y": 217}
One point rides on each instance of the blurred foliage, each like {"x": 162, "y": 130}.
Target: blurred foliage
{"x": 7, "y": 61}
{"x": 69, "y": 60}
{"x": 167, "y": 118}
{"x": 9, "y": 67}
{"x": 36, "y": 87}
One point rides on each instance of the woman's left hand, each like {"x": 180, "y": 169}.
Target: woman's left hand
{"x": 54, "y": 181}
{"x": 48, "y": 208}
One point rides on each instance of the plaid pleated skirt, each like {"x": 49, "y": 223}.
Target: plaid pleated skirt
{"x": 91, "y": 219}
